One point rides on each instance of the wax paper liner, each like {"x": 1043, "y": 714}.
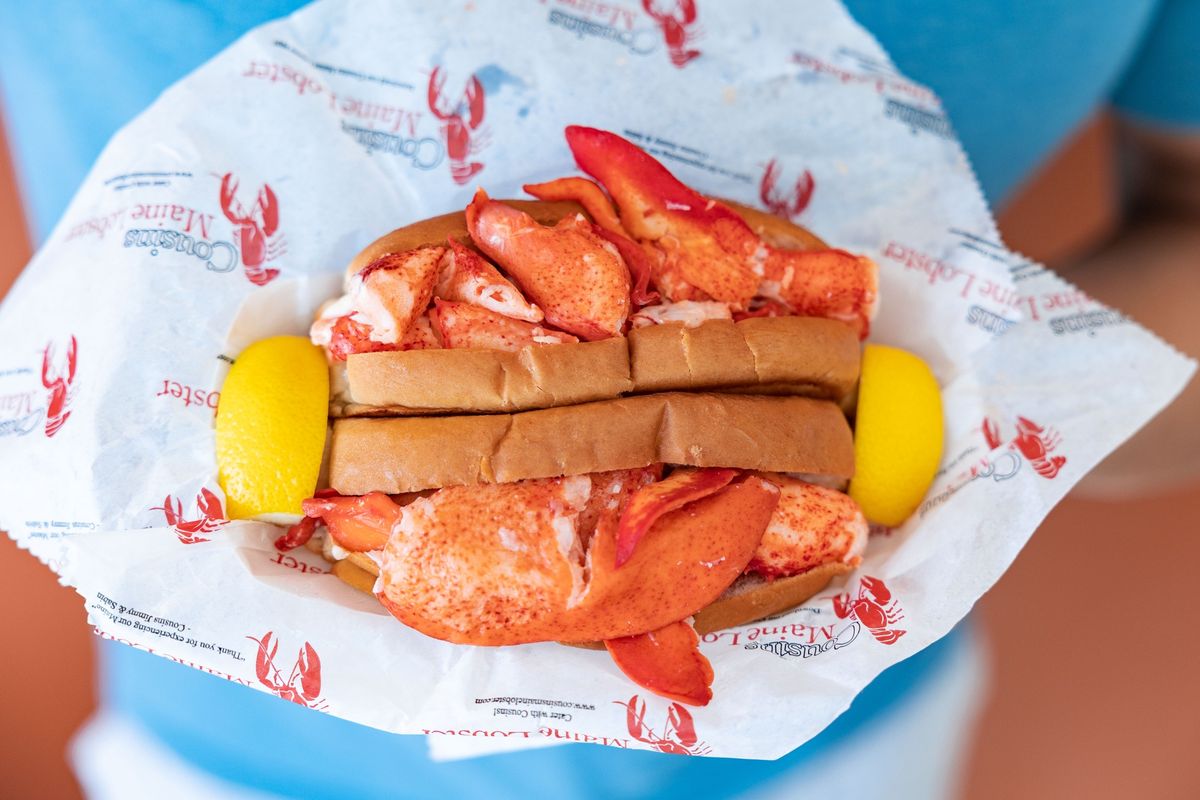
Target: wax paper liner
{"x": 345, "y": 120}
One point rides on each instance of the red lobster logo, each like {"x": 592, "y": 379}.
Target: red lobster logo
{"x": 303, "y": 684}
{"x": 790, "y": 205}
{"x": 679, "y": 732}
{"x": 675, "y": 18}
{"x": 874, "y": 608}
{"x": 57, "y": 378}
{"x": 1032, "y": 441}
{"x": 191, "y": 531}
{"x": 254, "y": 229}
{"x": 455, "y": 130}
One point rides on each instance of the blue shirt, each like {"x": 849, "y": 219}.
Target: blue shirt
{"x": 1015, "y": 79}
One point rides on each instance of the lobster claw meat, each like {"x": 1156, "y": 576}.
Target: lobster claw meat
{"x": 707, "y": 251}
{"x": 666, "y": 661}
{"x": 607, "y": 226}
{"x": 707, "y": 244}
{"x": 576, "y": 277}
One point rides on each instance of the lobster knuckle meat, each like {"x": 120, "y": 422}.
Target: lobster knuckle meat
{"x": 811, "y": 526}
{"x": 348, "y": 336}
{"x": 394, "y": 290}
{"x": 466, "y": 325}
{"x": 704, "y": 243}
{"x": 667, "y": 662}
{"x": 577, "y": 278}
{"x": 683, "y": 486}
{"x": 466, "y": 277}
{"x": 487, "y": 564}
{"x": 824, "y": 283}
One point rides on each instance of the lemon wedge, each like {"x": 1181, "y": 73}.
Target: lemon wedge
{"x": 271, "y": 426}
{"x": 897, "y": 434}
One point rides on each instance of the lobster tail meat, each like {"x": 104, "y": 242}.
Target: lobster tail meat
{"x": 358, "y": 524}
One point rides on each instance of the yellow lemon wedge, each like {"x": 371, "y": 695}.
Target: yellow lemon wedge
{"x": 897, "y": 434}
{"x": 271, "y": 426}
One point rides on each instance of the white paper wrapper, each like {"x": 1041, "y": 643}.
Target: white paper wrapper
{"x": 359, "y": 119}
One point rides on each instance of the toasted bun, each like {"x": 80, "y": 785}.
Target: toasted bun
{"x": 805, "y": 356}
{"x": 772, "y": 434}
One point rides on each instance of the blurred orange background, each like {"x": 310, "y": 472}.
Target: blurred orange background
{"x": 1089, "y": 700}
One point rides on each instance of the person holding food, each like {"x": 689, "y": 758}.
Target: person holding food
{"x": 213, "y": 739}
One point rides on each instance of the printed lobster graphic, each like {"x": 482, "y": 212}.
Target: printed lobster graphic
{"x": 57, "y": 378}
{"x": 679, "y": 732}
{"x": 191, "y": 531}
{"x": 303, "y": 684}
{"x": 455, "y": 130}
{"x": 255, "y": 229}
{"x": 874, "y": 608}
{"x": 674, "y": 18}
{"x": 1032, "y": 441}
{"x": 790, "y": 205}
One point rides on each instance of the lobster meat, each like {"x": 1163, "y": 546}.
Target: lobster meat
{"x": 466, "y": 325}
{"x": 465, "y": 276}
{"x": 542, "y": 558}
{"x": 705, "y": 251}
{"x": 663, "y": 253}
{"x": 575, "y": 276}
